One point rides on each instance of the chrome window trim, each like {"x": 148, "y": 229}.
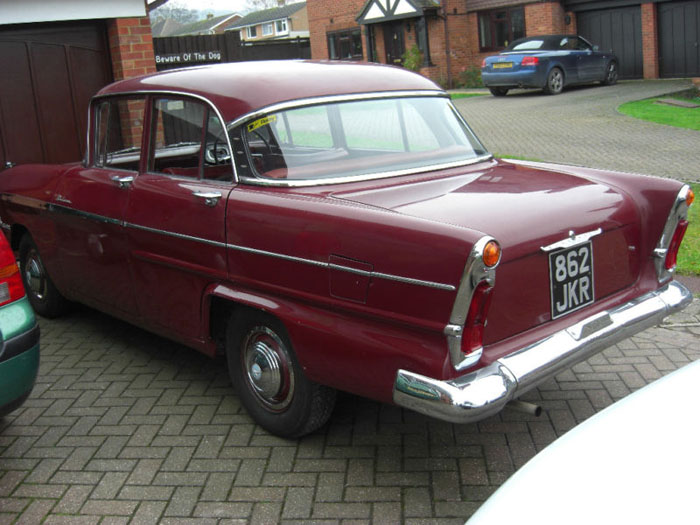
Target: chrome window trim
{"x": 365, "y": 177}
{"x": 332, "y": 99}
{"x": 679, "y": 212}
{"x": 58, "y": 208}
{"x": 156, "y": 93}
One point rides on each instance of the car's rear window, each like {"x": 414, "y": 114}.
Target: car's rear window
{"x": 354, "y": 138}
{"x": 528, "y": 45}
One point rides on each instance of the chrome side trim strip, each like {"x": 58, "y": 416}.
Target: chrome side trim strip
{"x": 245, "y": 249}
{"x": 484, "y": 392}
{"x": 571, "y": 240}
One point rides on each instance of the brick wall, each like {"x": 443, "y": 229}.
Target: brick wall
{"x": 330, "y": 15}
{"x": 650, "y": 41}
{"x": 131, "y": 47}
{"x": 545, "y": 18}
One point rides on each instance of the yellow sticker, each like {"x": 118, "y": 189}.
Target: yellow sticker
{"x": 261, "y": 122}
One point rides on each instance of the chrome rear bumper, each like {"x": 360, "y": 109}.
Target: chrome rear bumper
{"x": 484, "y": 392}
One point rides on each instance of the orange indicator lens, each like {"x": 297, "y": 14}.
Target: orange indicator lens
{"x": 492, "y": 253}
{"x": 690, "y": 197}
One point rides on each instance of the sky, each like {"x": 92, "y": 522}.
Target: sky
{"x": 227, "y": 6}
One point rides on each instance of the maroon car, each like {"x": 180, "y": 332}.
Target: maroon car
{"x": 339, "y": 226}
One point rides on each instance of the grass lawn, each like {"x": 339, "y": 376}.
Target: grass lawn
{"x": 455, "y": 96}
{"x": 664, "y": 114}
{"x": 689, "y": 254}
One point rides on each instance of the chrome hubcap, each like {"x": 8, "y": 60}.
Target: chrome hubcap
{"x": 35, "y": 275}
{"x": 268, "y": 368}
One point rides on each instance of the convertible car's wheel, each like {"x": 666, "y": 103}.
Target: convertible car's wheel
{"x": 46, "y": 300}
{"x": 498, "y": 91}
{"x": 555, "y": 82}
{"x": 269, "y": 380}
{"x": 611, "y": 74}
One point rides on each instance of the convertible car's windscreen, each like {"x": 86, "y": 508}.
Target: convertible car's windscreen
{"x": 355, "y": 138}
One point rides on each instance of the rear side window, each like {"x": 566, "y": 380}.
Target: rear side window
{"x": 118, "y": 133}
{"x": 188, "y": 140}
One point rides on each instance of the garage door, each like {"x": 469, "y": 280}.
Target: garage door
{"x": 49, "y": 73}
{"x": 679, "y": 39}
{"x": 617, "y": 29}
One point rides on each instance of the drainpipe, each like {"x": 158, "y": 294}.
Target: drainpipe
{"x": 447, "y": 45}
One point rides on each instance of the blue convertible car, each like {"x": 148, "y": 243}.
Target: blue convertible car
{"x": 549, "y": 62}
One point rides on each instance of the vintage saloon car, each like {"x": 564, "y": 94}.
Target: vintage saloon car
{"x": 338, "y": 226}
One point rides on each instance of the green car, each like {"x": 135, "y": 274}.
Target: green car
{"x": 19, "y": 335}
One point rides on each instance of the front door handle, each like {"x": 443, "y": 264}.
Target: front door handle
{"x": 122, "y": 182}
{"x": 210, "y": 197}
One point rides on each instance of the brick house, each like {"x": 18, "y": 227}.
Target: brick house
{"x": 287, "y": 21}
{"x": 54, "y": 56}
{"x": 652, "y": 39}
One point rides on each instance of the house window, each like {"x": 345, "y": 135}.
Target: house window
{"x": 345, "y": 45}
{"x": 251, "y": 31}
{"x": 267, "y": 29}
{"x": 281, "y": 27}
{"x": 499, "y": 27}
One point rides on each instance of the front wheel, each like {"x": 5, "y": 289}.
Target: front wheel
{"x": 611, "y": 74}
{"x": 498, "y": 91}
{"x": 555, "y": 82}
{"x": 269, "y": 380}
{"x": 43, "y": 295}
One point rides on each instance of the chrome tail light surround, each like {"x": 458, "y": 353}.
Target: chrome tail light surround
{"x": 679, "y": 213}
{"x": 475, "y": 273}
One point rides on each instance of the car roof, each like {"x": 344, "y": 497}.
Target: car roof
{"x": 243, "y": 87}
{"x": 550, "y": 40}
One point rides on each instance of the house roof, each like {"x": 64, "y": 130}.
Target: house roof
{"x": 267, "y": 15}
{"x": 165, "y": 27}
{"x": 378, "y": 11}
{"x": 203, "y": 26}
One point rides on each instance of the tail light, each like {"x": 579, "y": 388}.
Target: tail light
{"x": 476, "y": 318}
{"x": 483, "y": 63}
{"x": 666, "y": 251}
{"x": 11, "y": 287}
{"x": 530, "y": 61}
{"x": 672, "y": 253}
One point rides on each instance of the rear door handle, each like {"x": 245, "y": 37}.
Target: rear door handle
{"x": 210, "y": 197}
{"x": 123, "y": 182}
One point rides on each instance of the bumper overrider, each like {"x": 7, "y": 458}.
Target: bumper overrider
{"x": 486, "y": 391}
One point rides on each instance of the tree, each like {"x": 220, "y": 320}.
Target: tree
{"x": 173, "y": 10}
{"x": 155, "y": 4}
{"x": 259, "y": 5}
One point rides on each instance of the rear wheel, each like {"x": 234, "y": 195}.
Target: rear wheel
{"x": 555, "y": 82}
{"x": 46, "y": 300}
{"x": 498, "y": 91}
{"x": 611, "y": 74}
{"x": 270, "y": 381}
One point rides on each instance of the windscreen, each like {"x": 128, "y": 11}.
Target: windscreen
{"x": 354, "y": 138}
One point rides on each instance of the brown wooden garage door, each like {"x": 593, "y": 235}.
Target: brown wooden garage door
{"x": 49, "y": 73}
{"x": 679, "y": 39}
{"x": 618, "y": 29}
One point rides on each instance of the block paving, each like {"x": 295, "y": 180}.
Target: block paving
{"x": 126, "y": 427}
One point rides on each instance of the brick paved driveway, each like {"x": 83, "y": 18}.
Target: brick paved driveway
{"x": 125, "y": 427}
{"x": 582, "y": 126}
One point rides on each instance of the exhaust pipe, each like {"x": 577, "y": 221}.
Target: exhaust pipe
{"x": 524, "y": 406}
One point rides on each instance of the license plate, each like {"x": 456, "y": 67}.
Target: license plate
{"x": 503, "y": 65}
{"x": 571, "y": 279}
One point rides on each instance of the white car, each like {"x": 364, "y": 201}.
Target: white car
{"x": 636, "y": 462}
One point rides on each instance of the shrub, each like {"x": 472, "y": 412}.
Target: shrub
{"x": 412, "y": 59}
{"x": 471, "y": 78}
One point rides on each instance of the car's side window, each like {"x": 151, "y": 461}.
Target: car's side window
{"x": 177, "y": 127}
{"x": 581, "y": 45}
{"x": 217, "y": 157}
{"x": 118, "y": 132}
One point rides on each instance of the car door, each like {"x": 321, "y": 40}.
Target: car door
{"x": 90, "y": 203}
{"x": 591, "y": 65}
{"x": 176, "y": 215}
